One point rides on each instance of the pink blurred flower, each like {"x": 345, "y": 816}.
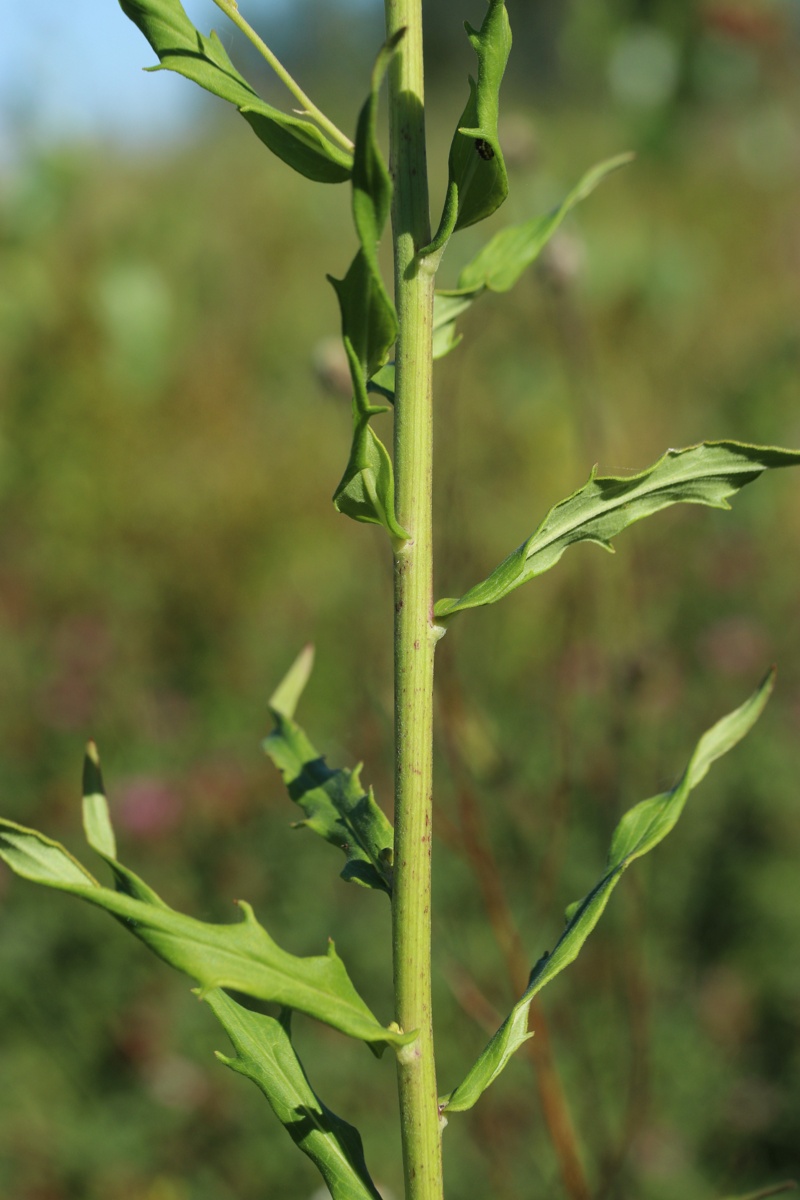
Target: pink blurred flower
{"x": 146, "y": 807}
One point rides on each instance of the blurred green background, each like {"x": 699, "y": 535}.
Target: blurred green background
{"x": 171, "y": 435}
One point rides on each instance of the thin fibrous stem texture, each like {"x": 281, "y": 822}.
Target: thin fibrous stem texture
{"x": 309, "y": 108}
{"x": 414, "y": 636}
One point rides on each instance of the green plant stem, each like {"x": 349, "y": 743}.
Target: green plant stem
{"x": 415, "y": 634}
{"x": 231, "y": 10}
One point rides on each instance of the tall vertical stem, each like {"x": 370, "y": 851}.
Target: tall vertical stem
{"x": 414, "y": 638}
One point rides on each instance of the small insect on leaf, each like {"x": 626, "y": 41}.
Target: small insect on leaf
{"x": 484, "y": 149}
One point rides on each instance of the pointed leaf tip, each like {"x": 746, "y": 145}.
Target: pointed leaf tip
{"x": 506, "y": 256}
{"x": 94, "y": 807}
{"x": 92, "y": 772}
{"x": 241, "y": 956}
{"x": 394, "y": 41}
{"x": 704, "y": 474}
{"x": 501, "y": 262}
{"x": 285, "y": 698}
{"x": 477, "y": 178}
{"x": 639, "y": 831}
{"x": 369, "y": 323}
{"x": 336, "y": 805}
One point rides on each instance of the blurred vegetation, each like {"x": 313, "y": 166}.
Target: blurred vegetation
{"x": 168, "y": 449}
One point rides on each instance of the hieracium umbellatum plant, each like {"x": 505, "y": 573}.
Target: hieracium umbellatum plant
{"x": 391, "y": 343}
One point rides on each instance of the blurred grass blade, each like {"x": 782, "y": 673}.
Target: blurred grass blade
{"x": 335, "y": 803}
{"x": 241, "y": 956}
{"x": 775, "y": 1189}
{"x": 705, "y": 474}
{"x": 642, "y": 828}
{"x": 182, "y": 48}
{"x": 501, "y": 262}
{"x": 477, "y": 180}
{"x": 369, "y": 322}
{"x": 265, "y": 1054}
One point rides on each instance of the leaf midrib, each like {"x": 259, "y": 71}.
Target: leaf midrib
{"x": 601, "y": 507}
{"x": 202, "y": 935}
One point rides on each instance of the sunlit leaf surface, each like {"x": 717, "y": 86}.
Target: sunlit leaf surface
{"x": 336, "y": 805}
{"x": 369, "y": 323}
{"x": 264, "y": 1053}
{"x": 241, "y": 956}
{"x": 642, "y": 828}
{"x": 477, "y": 180}
{"x": 183, "y": 49}
{"x": 503, "y": 260}
{"x": 705, "y": 474}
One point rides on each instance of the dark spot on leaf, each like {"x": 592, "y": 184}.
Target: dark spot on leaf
{"x": 484, "y": 149}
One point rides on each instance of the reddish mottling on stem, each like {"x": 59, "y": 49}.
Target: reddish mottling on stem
{"x": 416, "y": 644}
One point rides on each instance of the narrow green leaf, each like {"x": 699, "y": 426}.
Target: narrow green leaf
{"x": 100, "y": 832}
{"x": 242, "y": 956}
{"x": 369, "y": 320}
{"x": 477, "y": 180}
{"x": 642, "y": 828}
{"x": 501, "y": 262}
{"x": 265, "y": 1054}
{"x": 446, "y": 311}
{"x": 40, "y": 859}
{"x": 96, "y": 820}
{"x": 372, "y": 201}
{"x": 496, "y": 268}
{"x": 705, "y": 474}
{"x": 334, "y": 801}
{"x": 183, "y": 49}
{"x": 286, "y": 697}
{"x": 369, "y": 323}
{"x": 510, "y": 252}
{"x": 366, "y": 490}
